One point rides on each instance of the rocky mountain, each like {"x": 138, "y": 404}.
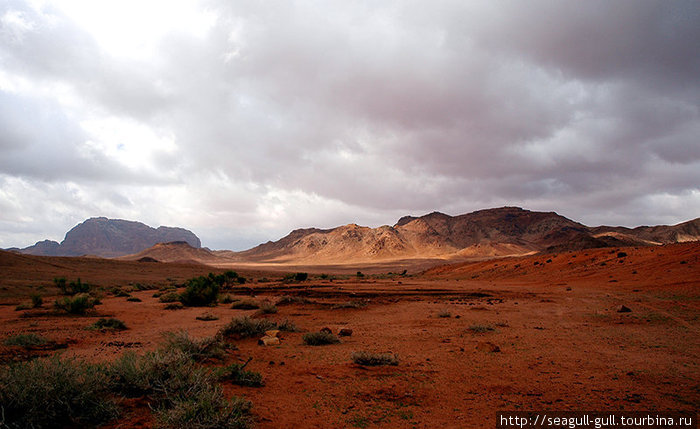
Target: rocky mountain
{"x": 175, "y": 251}
{"x": 485, "y": 233}
{"x": 111, "y": 237}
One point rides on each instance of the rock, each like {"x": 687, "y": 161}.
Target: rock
{"x": 269, "y": 341}
{"x": 487, "y": 346}
{"x": 272, "y": 333}
{"x": 624, "y": 309}
{"x": 326, "y": 329}
{"x": 344, "y": 332}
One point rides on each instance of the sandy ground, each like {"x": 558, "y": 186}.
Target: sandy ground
{"x": 562, "y": 343}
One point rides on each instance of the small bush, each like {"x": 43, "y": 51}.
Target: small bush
{"x": 481, "y": 329}
{"x": 60, "y": 283}
{"x": 320, "y": 338}
{"x": 169, "y": 297}
{"x": 444, "y": 313}
{"x": 77, "y": 287}
{"x": 207, "y": 410}
{"x": 359, "y": 274}
{"x": 78, "y": 304}
{"x": 174, "y": 306}
{"x": 226, "y": 299}
{"x": 37, "y": 300}
{"x": 287, "y": 326}
{"x": 300, "y": 277}
{"x": 374, "y": 359}
{"x": 236, "y": 374}
{"x": 245, "y": 327}
{"x": 133, "y": 299}
{"x": 286, "y": 300}
{"x": 268, "y": 308}
{"x": 157, "y": 295}
{"x": 200, "y": 291}
{"x": 54, "y": 393}
{"x": 25, "y": 340}
{"x": 120, "y": 293}
{"x": 245, "y": 304}
{"x": 197, "y": 350}
{"x": 109, "y": 323}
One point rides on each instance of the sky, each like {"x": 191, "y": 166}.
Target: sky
{"x": 244, "y": 120}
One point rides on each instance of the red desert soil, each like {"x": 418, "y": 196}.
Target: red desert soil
{"x": 563, "y": 345}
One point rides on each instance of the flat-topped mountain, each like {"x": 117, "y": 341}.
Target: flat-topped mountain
{"x": 484, "y": 233}
{"x": 111, "y": 237}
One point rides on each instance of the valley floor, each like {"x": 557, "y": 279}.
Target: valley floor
{"x": 536, "y": 333}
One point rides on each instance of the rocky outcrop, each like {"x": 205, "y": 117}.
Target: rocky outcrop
{"x": 110, "y": 238}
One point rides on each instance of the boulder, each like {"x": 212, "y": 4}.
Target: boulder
{"x": 326, "y": 329}
{"x": 269, "y": 341}
{"x": 272, "y": 333}
{"x": 624, "y": 309}
{"x": 344, "y": 332}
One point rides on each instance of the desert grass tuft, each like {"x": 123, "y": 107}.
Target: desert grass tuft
{"x": 25, "y": 340}
{"x": 374, "y": 359}
{"x": 320, "y": 338}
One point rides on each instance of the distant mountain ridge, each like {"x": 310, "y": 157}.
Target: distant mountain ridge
{"x": 484, "y": 233}
{"x": 110, "y": 238}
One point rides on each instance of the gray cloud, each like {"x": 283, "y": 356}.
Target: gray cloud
{"x": 289, "y": 114}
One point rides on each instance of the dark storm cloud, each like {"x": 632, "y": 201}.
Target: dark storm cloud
{"x": 379, "y": 108}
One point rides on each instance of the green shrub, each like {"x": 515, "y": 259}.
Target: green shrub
{"x": 226, "y": 299}
{"x": 245, "y": 327}
{"x": 37, "y": 300}
{"x": 77, "y": 287}
{"x": 169, "y": 297}
{"x": 237, "y": 374}
{"x": 54, "y": 393}
{"x": 300, "y": 277}
{"x": 60, "y": 283}
{"x": 77, "y": 304}
{"x": 197, "y": 350}
{"x": 359, "y": 274}
{"x": 207, "y": 409}
{"x": 109, "y": 323}
{"x": 374, "y": 359}
{"x": 25, "y": 340}
{"x": 120, "y": 293}
{"x": 320, "y": 338}
{"x": 199, "y": 292}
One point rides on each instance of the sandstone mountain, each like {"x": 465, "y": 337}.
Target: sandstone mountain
{"x": 175, "y": 251}
{"x": 485, "y": 233}
{"x": 109, "y": 238}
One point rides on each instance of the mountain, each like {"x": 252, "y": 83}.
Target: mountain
{"x": 485, "y": 233}
{"x": 111, "y": 237}
{"x": 175, "y": 251}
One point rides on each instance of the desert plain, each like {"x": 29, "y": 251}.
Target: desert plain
{"x": 593, "y": 329}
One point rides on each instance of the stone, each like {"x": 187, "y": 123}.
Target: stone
{"x": 272, "y": 333}
{"x": 326, "y": 329}
{"x": 624, "y": 309}
{"x": 345, "y": 332}
{"x": 269, "y": 341}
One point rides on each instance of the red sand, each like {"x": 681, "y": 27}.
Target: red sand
{"x": 563, "y": 345}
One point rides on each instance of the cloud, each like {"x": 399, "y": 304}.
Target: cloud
{"x": 248, "y": 120}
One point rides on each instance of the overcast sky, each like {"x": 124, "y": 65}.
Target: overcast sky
{"x": 243, "y": 120}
